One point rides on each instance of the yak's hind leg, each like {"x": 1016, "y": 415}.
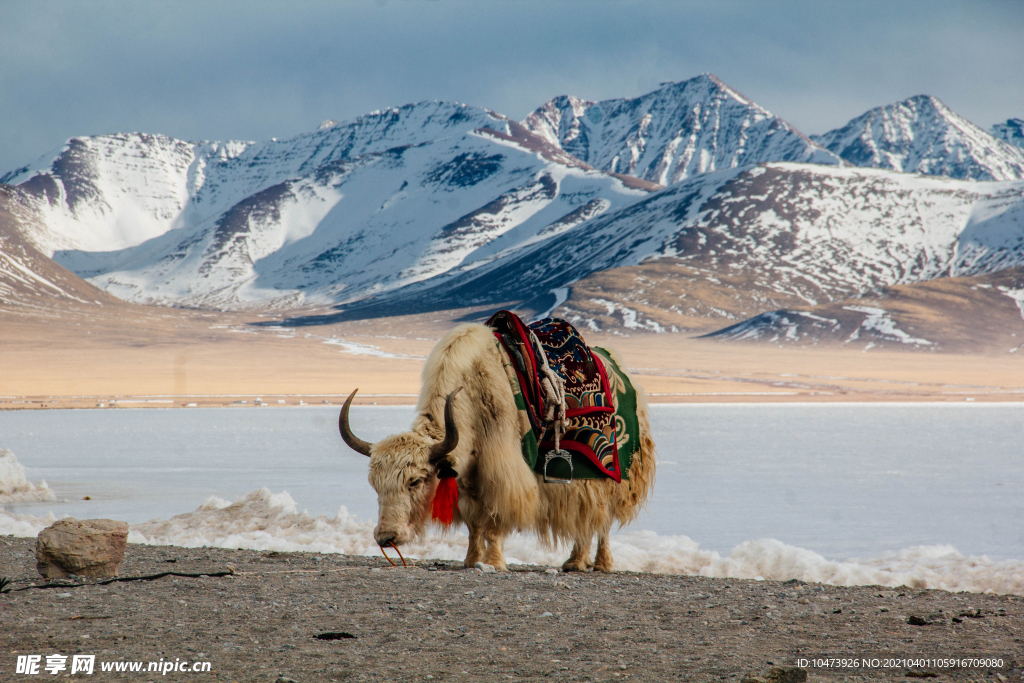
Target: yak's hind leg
{"x": 579, "y": 558}
{"x": 477, "y": 545}
{"x": 603, "y": 561}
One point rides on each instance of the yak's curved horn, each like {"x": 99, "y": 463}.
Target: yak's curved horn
{"x": 451, "y": 431}
{"x": 353, "y": 441}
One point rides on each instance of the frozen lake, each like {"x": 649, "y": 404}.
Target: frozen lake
{"x": 843, "y": 480}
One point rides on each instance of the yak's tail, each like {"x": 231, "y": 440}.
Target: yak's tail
{"x": 631, "y": 496}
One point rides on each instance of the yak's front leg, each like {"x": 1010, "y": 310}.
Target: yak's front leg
{"x": 477, "y": 545}
{"x": 603, "y": 561}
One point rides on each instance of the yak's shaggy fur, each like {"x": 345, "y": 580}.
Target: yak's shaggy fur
{"x": 498, "y": 493}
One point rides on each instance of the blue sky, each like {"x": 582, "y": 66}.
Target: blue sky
{"x": 249, "y": 69}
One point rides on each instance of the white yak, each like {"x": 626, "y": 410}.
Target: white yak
{"x": 467, "y": 423}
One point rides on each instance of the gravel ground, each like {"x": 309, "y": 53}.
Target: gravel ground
{"x": 437, "y": 621}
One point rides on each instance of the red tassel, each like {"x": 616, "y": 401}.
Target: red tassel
{"x": 447, "y": 495}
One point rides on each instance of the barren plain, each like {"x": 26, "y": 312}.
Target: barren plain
{"x": 73, "y": 356}
{"x": 437, "y": 621}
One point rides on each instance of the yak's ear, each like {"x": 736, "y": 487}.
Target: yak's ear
{"x": 445, "y": 469}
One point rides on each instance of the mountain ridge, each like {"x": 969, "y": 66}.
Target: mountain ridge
{"x": 673, "y": 133}
{"x": 1010, "y": 131}
{"x": 922, "y": 135}
{"x": 279, "y": 223}
{"x": 795, "y": 233}
{"x": 439, "y": 205}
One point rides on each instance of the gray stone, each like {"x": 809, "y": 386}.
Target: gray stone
{"x": 787, "y": 674}
{"x": 779, "y": 674}
{"x": 88, "y": 547}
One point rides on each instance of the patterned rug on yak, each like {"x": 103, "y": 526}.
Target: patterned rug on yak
{"x": 600, "y": 431}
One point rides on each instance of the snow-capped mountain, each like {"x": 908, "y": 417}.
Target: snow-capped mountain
{"x": 436, "y": 206}
{"x": 776, "y": 232}
{"x": 111, "y": 192}
{"x": 389, "y": 199}
{"x": 676, "y": 132}
{"x": 922, "y": 135}
{"x": 1011, "y": 131}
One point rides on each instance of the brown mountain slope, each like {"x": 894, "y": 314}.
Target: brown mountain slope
{"x": 669, "y": 295}
{"x": 27, "y": 276}
{"x": 960, "y": 315}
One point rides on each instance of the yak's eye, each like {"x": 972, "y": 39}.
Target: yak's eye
{"x": 415, "y": 482}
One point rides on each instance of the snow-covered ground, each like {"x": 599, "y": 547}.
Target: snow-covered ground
{"x": 926, "y": 495}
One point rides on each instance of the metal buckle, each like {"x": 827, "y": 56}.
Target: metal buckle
{"x": 552, "y": 455}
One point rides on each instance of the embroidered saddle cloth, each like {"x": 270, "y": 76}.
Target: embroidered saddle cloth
{"x": 602, "y": 432}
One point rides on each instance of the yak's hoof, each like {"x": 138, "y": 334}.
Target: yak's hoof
{"x": 602, "y": 567}
{"x": 575, "y": 566}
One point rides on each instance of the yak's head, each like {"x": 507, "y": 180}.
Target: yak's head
{"x": 403, "y": 472}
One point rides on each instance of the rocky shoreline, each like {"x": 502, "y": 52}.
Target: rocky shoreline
{"x": 269, "y": 616}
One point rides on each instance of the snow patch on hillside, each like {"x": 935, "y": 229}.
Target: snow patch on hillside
{"x": 357, "y": 349}
{"x": 877, "y": 321}
{"x": 776, "y": 326}
{"x": 1018, "y": 297}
